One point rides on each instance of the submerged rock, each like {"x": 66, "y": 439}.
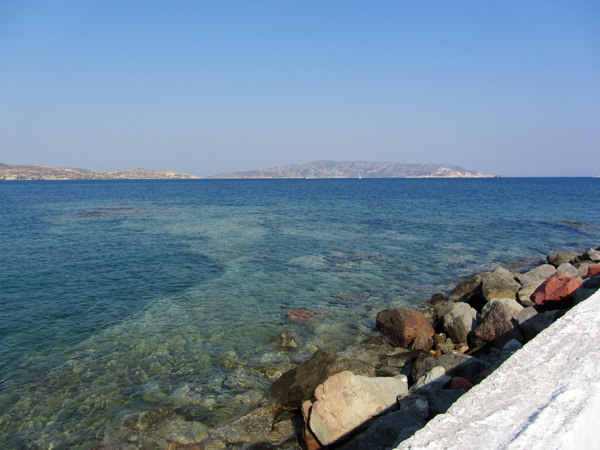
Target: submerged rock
{"x": 286, "y": 341}
{"x": 252, "y": 426}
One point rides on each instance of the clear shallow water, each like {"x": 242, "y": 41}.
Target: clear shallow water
{"x": 117, "y": 296}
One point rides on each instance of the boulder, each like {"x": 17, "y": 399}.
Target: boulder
{"x": 524, "y": 294}
{"x": 299, "y": 383}
{"x": 466, "y": 287}
{"x": 458, "y": 320}
{"x": 556, "y": 293}
{"x": 435, "y": 378}
{"x": 512, "y": 346}
{"x": 512, "y": 305}
{"x": 536, "y": 275}
{"x": 286, "y": 341}
{"x": 440, "y": 400}
{"x": 252, "y": 426}
{"x": 593, "y": 271}
{"x": 403, "y": 325}
{"x": 532, "y": 322}
{"x": 558, "y": 258}
{"x": 345, "y": 401}
{"x": 455, "y": 364}
{"x": 500, "y": 284}
{"x": 566, "y": 270}
{"x": 592, "y": 255}
{"x": 497, "y": 327}
{"x": 458, "y": 383}
{"x": 415, "y": 403}
{"x": 384, "y": 431}
{"x": 423, "y": 342}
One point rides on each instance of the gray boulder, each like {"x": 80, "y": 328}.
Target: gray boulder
{"x": 299, "y": 383}
{"x": 592, "y": 255}
{"x": 567, "y": 270}
{"x": 536, "y": 275}
{"x": 455, "y": 364}
{"x": 457, "y": 320}
{"x": 249, "y": 427}
{"x": 415, "y": 403}
{"x": 440, "y": 400}
{"x": 497, "y": 327}
{"x": 435, "y": 378}
{"x": 524, "y": 294}
{"x": 500, "y": 284}
{"x": 531, "y": 322}
{"x": 512, "y": 305}
{"x": 383, "y": 432}
{"x": 466, "y": 287}
{"x": 558, "y": 258}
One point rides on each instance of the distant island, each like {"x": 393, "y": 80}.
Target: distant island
{"x": 14, "y": 172}
{"x": 359, "y": 169}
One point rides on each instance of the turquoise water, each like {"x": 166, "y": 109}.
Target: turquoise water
{"x": 117, "y": 296}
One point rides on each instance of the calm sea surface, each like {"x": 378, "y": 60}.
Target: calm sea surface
{"x": 117, "y": 296}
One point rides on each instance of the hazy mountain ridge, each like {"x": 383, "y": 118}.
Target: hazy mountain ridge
{"x": 354, "y": 169}
{"x": 32, "y": 172}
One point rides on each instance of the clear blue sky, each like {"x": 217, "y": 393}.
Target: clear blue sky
{"x": 507, "y": 87}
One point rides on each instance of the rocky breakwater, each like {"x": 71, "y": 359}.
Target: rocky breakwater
{"x": 417, "y": 363}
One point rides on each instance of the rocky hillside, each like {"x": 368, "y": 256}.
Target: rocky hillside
{"x": 355, "y": 169}
{"x": 12, "y": 172}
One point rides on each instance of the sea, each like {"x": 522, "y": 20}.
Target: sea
{"x": 119, "y": 296}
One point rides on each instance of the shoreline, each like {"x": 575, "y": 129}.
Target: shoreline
{"x": 463, "y": 338}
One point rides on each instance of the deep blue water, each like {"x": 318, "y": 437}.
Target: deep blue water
{"x": 116, "y": 296}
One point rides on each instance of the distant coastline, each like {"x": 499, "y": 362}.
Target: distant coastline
{"x": 33, "y": 172}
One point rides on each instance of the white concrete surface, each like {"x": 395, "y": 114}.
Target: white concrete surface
{"x": 546, "y": 396}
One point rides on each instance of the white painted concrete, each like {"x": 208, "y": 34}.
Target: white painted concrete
{"x": 546, "y": 396}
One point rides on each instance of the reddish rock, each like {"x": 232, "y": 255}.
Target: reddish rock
{"x": 309, "y": 438}
{"x": 556, "y": 293}
{"x": 497, "y": 327}
{"x": 593, "y": 271}
{"x": 422, "y": 342}
{"x": 458, "y": 383}
{"x": 403, "y": 325}
{"x": 304, "y": 315}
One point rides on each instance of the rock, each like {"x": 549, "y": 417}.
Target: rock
{"x": 304, "y": 315}
{"x": 384, "y": 431}
{"x": 500, "y": 284}
{"x": 566, "y": 270}
{"x": 582, "y": 294}
{"x": 512, "y": 305}
{"x": 148, "y": 419}
{"x": 593, "y": 271}
{"x": 531, "y": 322}
{"x": 286, "y": 341}
{"x": 310, "y": 440}
{"x": 252, "y": 426}
{"x": 512, "y": 346}
{"x": 299, "y": 383}
{"x": 455, "y": 365}
{"x": 403, "y": 325}
{"x": 181, "y": 446}
{"x": 345, "y": 401}
{"x": 497, "y": 327}
{"x": 116, "y": 447}
{"x": 466, "y": 287}
{"x": 592, "y": 255}
{"x": 423, "y": 342}
{"x": 458, "y": 383}
{"x": 558, "y": 258}
{"x": 440, "y": 400}
{"x": 536, "y": 275}
{"x": 445, "y": 347}
{"x": 415, "y": 403}
{"x": 556, "y": 293}
{"x": 435, "y": 378}
{"x": 439, "y": 338}
{"x": 458, "y": 320}
{"x": 376, "y": 342}
{"x": 592, "y": 283}
{"x": 288, "y": 444}
{"x": 524, "y": 294}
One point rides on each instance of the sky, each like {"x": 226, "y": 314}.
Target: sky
{"x": 209, "y": 87}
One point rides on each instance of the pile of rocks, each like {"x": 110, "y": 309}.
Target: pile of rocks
{"x": 379, "y": 393}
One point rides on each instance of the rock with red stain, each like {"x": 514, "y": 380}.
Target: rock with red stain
{"x": 403, "y": 325}
{"x": 458, "y": 383}
{"x": 556, "y": 293}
